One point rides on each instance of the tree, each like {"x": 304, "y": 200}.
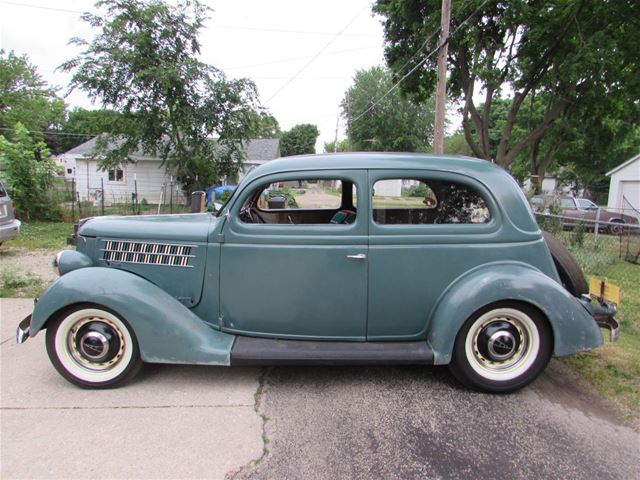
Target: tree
{"x": 330, "y": 147}
{"x": 82, "y": 125}
{"x": 299, "y": 140}
{"x": 569, "y": 51}
{"x": 143, "y": 63}
{"x": 29, "y": 173}
{"x": 26, "y": 98}
{"x": 265, "y": 125}
{"x": 395, "y": 124}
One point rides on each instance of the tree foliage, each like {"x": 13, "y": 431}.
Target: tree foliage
{"x": 26, "y": 98}
{"x": 299, "y": 140}
{"x": 265, "y": 125}
{"x": 395, "y": 124}
{"x": 82, "y": 125}
{"x": 569, "y": 52}
{"x": 143, "y": 63}
{"x": 29, "y": 173}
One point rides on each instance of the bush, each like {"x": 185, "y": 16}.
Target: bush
{"x": 30, "y": 176}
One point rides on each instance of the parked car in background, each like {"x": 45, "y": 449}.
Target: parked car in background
{"x": 355, "y": 271}
{"x": 9, "y": 225}
{"x": 576, "y": 210}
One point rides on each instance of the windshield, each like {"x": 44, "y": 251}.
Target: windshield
{"x": 223, "y": 208}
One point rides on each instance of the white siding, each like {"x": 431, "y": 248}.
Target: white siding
{"x": 624, "y": 182}
{"x": 149, "y": 175}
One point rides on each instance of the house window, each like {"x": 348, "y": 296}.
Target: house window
{"x": 425, "y": 201}
{"x": 69, "y": 171}
{"x": 116, "y": 174}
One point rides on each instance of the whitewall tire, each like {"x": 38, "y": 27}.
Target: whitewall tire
{"x": 502, "y": 348}
{"x": 93, "y": 347}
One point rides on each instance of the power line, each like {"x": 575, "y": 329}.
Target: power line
{"x": 285, "y": 60}
{"x": 225, "y": 27}
{"x": 285, "y": 84}
{"x": 419, "y": 64}
{"x": 301, "y": 32}
{"x": 54, "y": 133}
{"x": 40, "y": 7}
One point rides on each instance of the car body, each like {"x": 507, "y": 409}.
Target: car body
{"x": 388, "y": 258}
{"x": 9, "y": 225}
{"x": 582, "y": 210}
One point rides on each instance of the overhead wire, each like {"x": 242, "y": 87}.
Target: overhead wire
{"x": 419, "y": 64}
{"x": 304, "y": 67}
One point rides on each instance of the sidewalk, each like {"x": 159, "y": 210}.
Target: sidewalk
{"x": 171, "y": 422}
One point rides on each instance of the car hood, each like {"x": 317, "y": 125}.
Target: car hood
{"x": 187, "y": 227}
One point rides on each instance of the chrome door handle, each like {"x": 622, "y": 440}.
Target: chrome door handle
{"x": 358, "y": 256}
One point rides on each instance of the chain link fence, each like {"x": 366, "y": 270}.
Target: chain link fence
{"x": 98, "y": 202}
{"x": 594, "y": 243}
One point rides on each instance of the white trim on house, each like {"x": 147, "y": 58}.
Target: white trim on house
{"x": 622, "y": 165}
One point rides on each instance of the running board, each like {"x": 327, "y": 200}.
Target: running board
{"x": 268, "y": 351}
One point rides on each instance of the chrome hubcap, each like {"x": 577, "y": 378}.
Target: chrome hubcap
{"x": 96, "y": 343}
{"x": 502, "y": 344}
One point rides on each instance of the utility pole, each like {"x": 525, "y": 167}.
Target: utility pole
{"x": 335, "y": 142}
{"x": 349, "y": 119}
{"x": 441, "y": 86}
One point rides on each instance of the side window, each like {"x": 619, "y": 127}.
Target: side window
{"x": 413, "y": 201}
{"x": 567, "y": 203}
{"x": 309, "y": 201}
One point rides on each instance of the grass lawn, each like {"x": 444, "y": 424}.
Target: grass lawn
{"x": 41, "y": 235}
{"x": 17, "y": 284}
{"x": 614, "y": 369}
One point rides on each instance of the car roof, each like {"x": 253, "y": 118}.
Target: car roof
{"x": 501, "y": 185}
{"x": 377, "y": 160}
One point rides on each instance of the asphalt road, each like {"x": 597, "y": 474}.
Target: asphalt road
{"x": 319, "y": 423}
{"x": 412, "y": 422}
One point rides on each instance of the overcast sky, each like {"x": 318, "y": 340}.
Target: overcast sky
{"x": 267, "y": 41}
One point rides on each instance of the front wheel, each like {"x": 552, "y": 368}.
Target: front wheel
{"x": 93, "y": 347}
{"x": 502, "y": 348}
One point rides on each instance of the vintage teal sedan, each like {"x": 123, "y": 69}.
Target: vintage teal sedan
{"x": 372, "y": 258}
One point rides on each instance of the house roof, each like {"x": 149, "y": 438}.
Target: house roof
{"x": 624, "y": 164}
{"x": 262, "y": 149}
{"x": 256, "y": 150}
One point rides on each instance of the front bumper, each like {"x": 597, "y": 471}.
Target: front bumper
{"x": 9, "y": 231}
{"x": 22, "y": 332}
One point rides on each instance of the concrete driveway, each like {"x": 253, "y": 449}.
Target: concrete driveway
{"x": 319, "y": 423}
{"x": 171, "y": 422}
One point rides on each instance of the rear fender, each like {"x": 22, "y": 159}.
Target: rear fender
{"x": 574, "y": 329}
{"x": 167, "y": 331}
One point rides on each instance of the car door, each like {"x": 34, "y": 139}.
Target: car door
{"x": 299, "y": 278}
{"x": 427, "y": 229}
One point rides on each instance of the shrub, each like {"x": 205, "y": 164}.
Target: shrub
{"x": 30, "y": 175}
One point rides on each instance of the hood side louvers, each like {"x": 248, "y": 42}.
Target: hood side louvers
{"x": 145, "y": 253}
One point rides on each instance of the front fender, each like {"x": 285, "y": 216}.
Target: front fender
{"x": 167, "y": 331}
{"x": 573, "y": 327}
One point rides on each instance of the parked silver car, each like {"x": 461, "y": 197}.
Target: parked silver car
{"x": 9, "y": 226}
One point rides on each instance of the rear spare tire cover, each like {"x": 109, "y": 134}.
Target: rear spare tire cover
{"x": 568, "y": 269}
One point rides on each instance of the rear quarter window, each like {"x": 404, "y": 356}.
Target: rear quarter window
{"x": 420, "y": 201}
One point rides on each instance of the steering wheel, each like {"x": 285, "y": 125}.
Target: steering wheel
{"x": 254, "y": 215}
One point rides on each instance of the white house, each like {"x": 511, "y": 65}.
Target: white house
{"x": 144, "y": 172}
{"x": 624, "y": 186}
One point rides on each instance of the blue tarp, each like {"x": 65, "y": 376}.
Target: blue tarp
{"x": 219, "y": 191}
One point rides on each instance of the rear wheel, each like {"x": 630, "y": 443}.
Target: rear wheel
{"x": 93, "y": 347}
{"x": 502, "y": 348}
{"x": 618, "y": 228}
{"x": 568, "y": 269}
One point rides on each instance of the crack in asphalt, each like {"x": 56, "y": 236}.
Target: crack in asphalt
{"x": 5, "y": 341}
{"x": 132, "y": 407}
